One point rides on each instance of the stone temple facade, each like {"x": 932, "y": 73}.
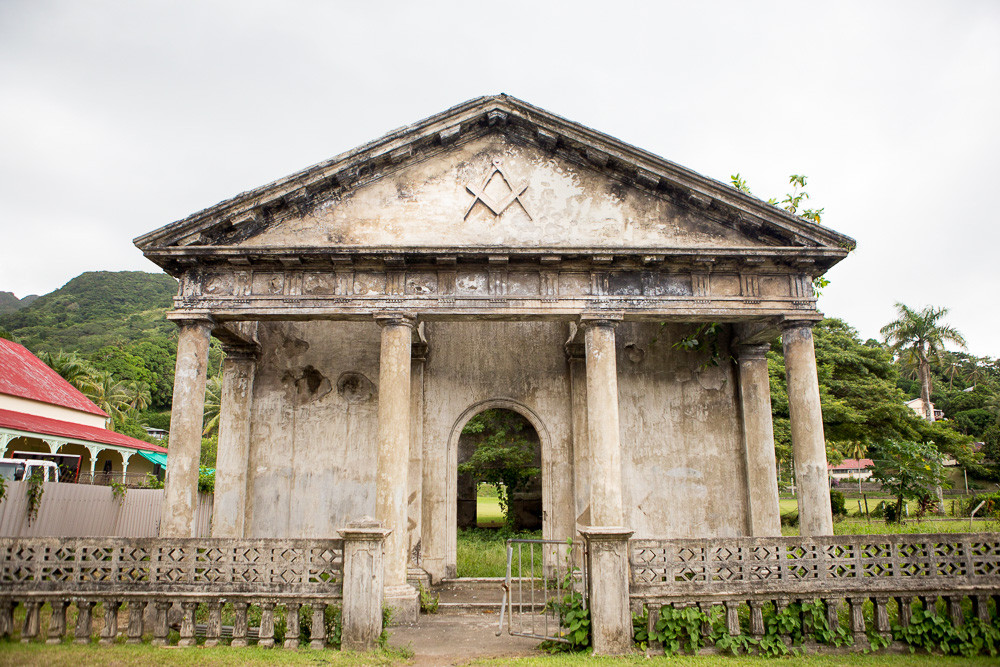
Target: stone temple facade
{"x": 493, "y": 255}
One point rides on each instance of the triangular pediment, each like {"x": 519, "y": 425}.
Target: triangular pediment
{"x": 495, "y": 173}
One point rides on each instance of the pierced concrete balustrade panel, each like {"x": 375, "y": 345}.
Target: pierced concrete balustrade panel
{"x": 147, "y": 566}
{"x": 761, "y": 568}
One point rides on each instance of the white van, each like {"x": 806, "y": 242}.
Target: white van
{"x": 17, "y": 469}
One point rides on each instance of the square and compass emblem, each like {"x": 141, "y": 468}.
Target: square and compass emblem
{"x": 497, "y": 194}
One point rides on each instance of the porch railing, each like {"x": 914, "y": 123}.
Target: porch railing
{"x": 754, "y": 571}
{"x": 154, "y": 575}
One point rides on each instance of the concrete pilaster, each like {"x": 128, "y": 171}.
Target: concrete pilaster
{"x": 808, "y": 442}
{"x": 608, "y": 578}
{"x": 229, "y": 507}
{"x": 180, "y": 494}
{"x": 364, "y": 542}
{"x": 764, "y": 515}
{"x": 603, "y": 435}
{"x": 394, "y": 459}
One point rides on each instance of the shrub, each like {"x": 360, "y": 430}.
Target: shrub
{"x": 838, "y": 504}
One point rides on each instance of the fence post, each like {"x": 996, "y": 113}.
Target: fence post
{"x": 608, "y": 573}
{"x": 364, "y": 543}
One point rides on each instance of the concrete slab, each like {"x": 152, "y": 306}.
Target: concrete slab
{"x": 455, "y": 639}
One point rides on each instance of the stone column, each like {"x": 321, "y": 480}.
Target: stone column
{"x": 180, "y": 494}
{"x": 394, "y": 459}
{"x": 415, "y": 474}
{"x": 603, "y": 436}
{"x": 229, "y": 507}
{"x": 364, "y": 541}
{"x": 808, "y": 442}
{"x": 608, "y": 578}
{"x": 126, "y": 456}
{"x": 575, "y": 359}
{"x": 764, "y": 516}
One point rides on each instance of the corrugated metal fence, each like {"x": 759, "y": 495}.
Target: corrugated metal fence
{"x": 81, "y": 510}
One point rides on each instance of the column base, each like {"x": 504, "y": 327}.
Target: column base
{"x": 404, "y": 602}
{"x": 608, "y": 571}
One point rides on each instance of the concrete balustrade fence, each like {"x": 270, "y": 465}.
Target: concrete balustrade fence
{"x": 158, "y": 574}
{"x": 755, "y": 571}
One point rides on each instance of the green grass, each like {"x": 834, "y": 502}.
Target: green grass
{"x": 70, "y": 655}
{"x": 482, "y": 552}
{"x": 732, "y": 661}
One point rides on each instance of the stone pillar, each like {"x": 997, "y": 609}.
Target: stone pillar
{"x": 180, "y": 494}
{"x": 229, "y": 507}
{"x": 603, "y": 436}
{"x": 576, "y": 360}
{"x": 764, "y": 515}
{"x": 415, "y": 474}
{"x": 808, "y": 442}
{"x": 394, "y": 459}
{"x": 364, "y": 542}
{"x": 608, "y": 578}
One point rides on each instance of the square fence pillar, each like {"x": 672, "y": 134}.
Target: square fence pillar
{"x": 608, "y": 574}
{"x": 364, "y": 544}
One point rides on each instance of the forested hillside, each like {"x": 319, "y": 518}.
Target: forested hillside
{"x": 10, "y": 303}
{"x": 95, "y": 309}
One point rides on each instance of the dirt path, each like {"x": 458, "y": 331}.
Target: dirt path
{"x": 454, "y": 639}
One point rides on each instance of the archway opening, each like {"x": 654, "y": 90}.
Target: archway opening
{"x": 499, "y": 472}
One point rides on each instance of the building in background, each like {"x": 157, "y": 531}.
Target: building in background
{"x": 42, "y": 412}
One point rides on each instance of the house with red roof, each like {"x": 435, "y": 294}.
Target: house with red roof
{"x": 851, "y": 468}
{"x": 42, "y": 412}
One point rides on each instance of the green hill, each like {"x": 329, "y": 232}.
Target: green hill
{"x": 10, "y": 303}
{"x": 95, "y": 309}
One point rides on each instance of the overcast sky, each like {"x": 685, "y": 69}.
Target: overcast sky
{"x": 119, "y": 117}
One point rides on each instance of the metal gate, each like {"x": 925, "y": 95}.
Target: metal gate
{"x": 541, "y": 574}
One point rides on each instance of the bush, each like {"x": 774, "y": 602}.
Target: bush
{"x": 991, "y": 508}
{"x": 838, "y": 504}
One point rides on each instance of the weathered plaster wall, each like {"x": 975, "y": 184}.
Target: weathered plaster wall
{"x": 563, "y": 204}
{"x": 470, "y": 364}
{"x": 682, "y": 448}
{"x": 312, "y": 448}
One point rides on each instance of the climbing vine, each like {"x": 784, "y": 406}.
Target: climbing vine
{"x": 118, "y": 491}
{"x": 680, "y": 629}
{"x": 35, "y": 491}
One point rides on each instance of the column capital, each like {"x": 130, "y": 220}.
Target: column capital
{"x": 751, "y": 351}
{"x": 610, "y": 319}
{"x": 237, "y": 352}
{"x": 395, "y": 318}
{"x": 191, "y": 318}
{"x": 798, "y": 324}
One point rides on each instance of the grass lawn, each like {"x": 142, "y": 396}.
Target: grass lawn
{"x": 733, "y": 661}
{"x": 70, "y": 655}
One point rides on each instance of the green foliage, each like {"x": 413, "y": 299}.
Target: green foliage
{"x": 705, "y": 339}
{"x": 991, "y": 508}
{"x": 206, "y": 481}
{"x": 838, "y": 504}
{"x": 428, "y": 601}
{"x": 974, "y": 422}
{"x": 96, "y": 309}
{"x": 679, "y": 629}
{"x": 933, "y": 633}
{"x": 907, "y": 470}
{"x": 209, "y": 451}
{"x": 503, "y": 456}
{"x": 151, "y": 482}
{"x": 118, "y": 491}
{"x": 383, "y": 638}
{"x": 3, "y": 488}
{"x": 36, "y": 487}
{"x": 574, "y": 617}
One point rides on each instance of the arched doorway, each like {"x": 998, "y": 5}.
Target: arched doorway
{"x": 536, "y": 432}
{"x": 499, "y": 471}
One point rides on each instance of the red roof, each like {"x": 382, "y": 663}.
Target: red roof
{"x": 24, "y": 375}
{"x": 851, "y": 464}
{"x": 45, "y": 426}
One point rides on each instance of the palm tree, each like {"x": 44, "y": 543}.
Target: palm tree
{"x": 111, "y": 395}
{"x": 920, "y": 336}
{"x": 856, "y": 450}
{"x": 213, "y": 403}
{"x": 73, "y": 368}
